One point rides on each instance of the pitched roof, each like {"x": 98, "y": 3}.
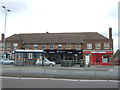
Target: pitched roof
{"x": 57, "y": 37}
{"x": 13, "y": 37}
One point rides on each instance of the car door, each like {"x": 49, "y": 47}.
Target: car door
{"x": 46, "y": 62}
{"x": 5, "y": 61}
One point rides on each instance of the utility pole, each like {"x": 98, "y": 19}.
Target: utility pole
{"x": 3, "y": 43}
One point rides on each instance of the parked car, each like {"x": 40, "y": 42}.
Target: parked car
{"x": 6, "y": 61}
{"x": 46, "y": 62}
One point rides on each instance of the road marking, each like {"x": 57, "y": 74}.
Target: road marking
{"x": 61, "y": 79}
{"x": 94, "y": 80}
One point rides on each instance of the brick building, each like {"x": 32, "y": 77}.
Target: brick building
{"x": 90, "y": 46}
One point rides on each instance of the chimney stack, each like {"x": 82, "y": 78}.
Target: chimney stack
{"x": 2, "y": 38}
{"x": 110, "y": 33}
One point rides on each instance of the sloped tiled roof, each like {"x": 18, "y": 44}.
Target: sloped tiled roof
{"x": 13, "y": 37}
{"x": 57, "y": 37}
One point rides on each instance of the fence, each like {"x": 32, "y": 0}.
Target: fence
{"x": 92, "y": 71}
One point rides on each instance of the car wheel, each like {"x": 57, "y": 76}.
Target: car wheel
{"x": 12, "y": 63}
{"x": 50, "y": 64}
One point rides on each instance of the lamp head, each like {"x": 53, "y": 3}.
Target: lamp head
{"x": 3, "y": 6}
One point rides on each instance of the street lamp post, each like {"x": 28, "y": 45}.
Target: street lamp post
{"x": 3, "y": 49}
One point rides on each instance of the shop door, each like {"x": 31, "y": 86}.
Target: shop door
{"x": 97, "y": 59}
{"x": 87, "y": 59}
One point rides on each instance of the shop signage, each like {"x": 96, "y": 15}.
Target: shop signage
{"x": 98, "y": 51}
{"x": 108, "y": 52}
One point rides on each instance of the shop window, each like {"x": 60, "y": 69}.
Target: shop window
{"x": 43, "y": 46}
{"x": 106, "y": 45}
{"x": 8, "y": 45}
{"x": 35, "y": 46}
{"x": 51, "y": 46}
{"x": 59, "y": 46}
{"x": 105, "y": 59}
{"x": 89, "y": 45}
{"x": 97, "y": 45}
{"x": 68, "y": 46}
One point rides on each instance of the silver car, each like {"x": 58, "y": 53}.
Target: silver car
{"x": 46, "y": 62}
{"x": 7, "y": 61}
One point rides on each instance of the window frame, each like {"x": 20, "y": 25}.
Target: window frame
{"x": 15, "y": 47}
{"x": 35, "y": 46}
{"x": 78, "y": 46}
{"x": 27, "y": 46}
{"x": 89, "y": 45}
{"x": 51, "y": 46}
{"x": 107, "y": 46}
{"x": 59, "y": 46}
{"x": 98, "y": 46}
{"x": 43, "y": 46}
{"x": 8, "y": 45}
{"x": 68, "y": 46}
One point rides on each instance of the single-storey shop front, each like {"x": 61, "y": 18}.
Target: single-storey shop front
{"x": 98, "y": 57}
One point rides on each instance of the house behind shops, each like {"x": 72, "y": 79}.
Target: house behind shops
{"x": 89, "y": 46}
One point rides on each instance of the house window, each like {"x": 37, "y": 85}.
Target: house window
{"x": 59, "y": 46}
{"x": 27, "y": 46}
{"x": 106, "y": 45}
{"x": 8, "y": 45}
{"x": 97, "y": 45}
{"x": 1, "y": 46}
{"x": 51, "y": 46}
{"x": 15, "y": 45}
{"x": 68, "y": 46}
{"x": 89, "y": 45}
{"x": 77, "y": 46}
{"x": 43, "y": 46}
{"x": 35, "y": 46}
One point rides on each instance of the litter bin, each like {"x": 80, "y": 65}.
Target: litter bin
{"x": 82, "y": 63}
{"x": 67, "y": 63}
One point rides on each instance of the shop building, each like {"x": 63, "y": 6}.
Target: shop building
{"x": 65, "y": 46}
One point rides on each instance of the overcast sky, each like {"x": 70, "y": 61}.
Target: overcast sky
{"x": 40, "y": 16}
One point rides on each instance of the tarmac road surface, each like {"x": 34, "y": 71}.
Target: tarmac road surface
{"x": 11, "y": 82}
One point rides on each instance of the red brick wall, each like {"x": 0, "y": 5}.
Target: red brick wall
{"x": 97, "y": 41}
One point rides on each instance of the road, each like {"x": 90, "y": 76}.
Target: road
{"x": 56, "y": 83}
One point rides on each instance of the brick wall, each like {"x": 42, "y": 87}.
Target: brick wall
{"x": 98, "y": 41}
